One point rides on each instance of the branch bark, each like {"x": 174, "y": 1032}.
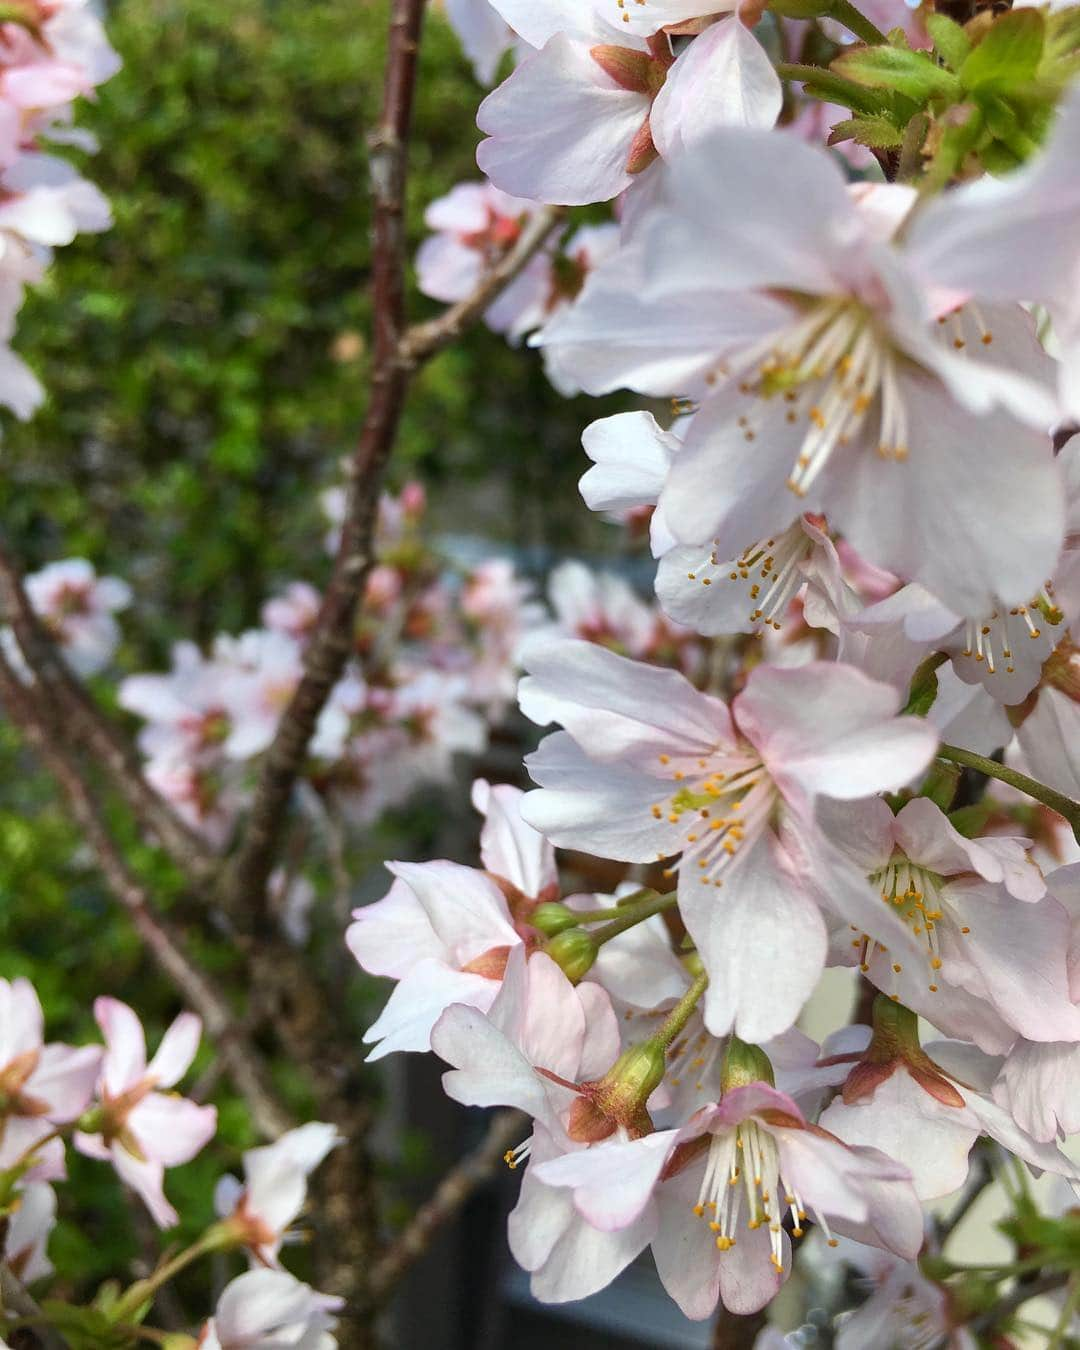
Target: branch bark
{"x": 14, "y": 1295}
{"x": 163, "y": 942}
{"x": 451, "y": 1194}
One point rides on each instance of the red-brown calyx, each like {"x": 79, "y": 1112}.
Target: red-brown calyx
{"x": 641, "y": 72}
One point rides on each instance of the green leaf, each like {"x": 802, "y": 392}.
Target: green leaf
{"x": 923, "y": 689}
{"x": 952, "y": 43}
{"x": 876, "y": 132}
{"x": 1008, "y": 56}
{"x": 913, "y": 74}
{"x": 830, "y": 88}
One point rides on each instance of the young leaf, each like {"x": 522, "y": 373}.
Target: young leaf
{"x": 876, "y": 132}
{"x": 952, "y": 43}
{"x": 1009, "y": 54}
{"x": 913, "y": 74}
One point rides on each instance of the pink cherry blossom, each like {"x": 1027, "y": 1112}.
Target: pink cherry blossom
{"x": 31, "y": 1221}
{"x": 142, "y": 1131}
{"x": 274, "y": 1189}
{"x": 270, "y": 1309}
{"x": 650, "y": 768}
{"x": 41, "y": 1085}
{"x": 719, "y": 1187}
{"x": 77, "y": 607}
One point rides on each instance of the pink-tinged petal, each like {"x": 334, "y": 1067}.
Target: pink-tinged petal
{"x": 176, "y": 1051}
{"x": 1050, "y": 740}
{"x": 553, "y": 1028}
{"x": 585, "y": 1259}
{"x": 612, "y": 1183}
{"x": 92, "y": 1146}
{"x": 952, "y": 523}
{"x": 276, "y": 1191}
{"x": 125, "y": 1044}
{"x": 904, "y": 1121}
{"x": 748, "y": 1279}
{"x": 604, "y": 809}
{"x": 171, "y": 1130}
{"x": 447, "y": 269}
{"x": 831, "y": 1177}
{"x": 862, "y": 831}
{"x": 577, "y": 151}
{"x": 724, "y": 78}
{"x": 1022, "y": 876}
{"x": 999, "y": 1125}
{"x": 146, "y": 1179}
{"x": 28, "y": 1230}
{"x": 631, "y": 456}
{"x": 977, "y": 240}
{"x": 762, "y": 941}
{"x": 306, "y": 1146}
{"x": 488, "y": 1069}
{"x": 1017, "y": 956}
{"x": 925, "y": 834}
{"x": 895, "y": 1219}
{"x": 538, "y": 23}
{"x": 617, "y": 708}
{"x": 64, "y": 1079}
{"x": 22, "y": 1023}
{"x": 684, "y": 1250}
{"x": 1040, "y": 1088}
{"x": 658, "y": 331}
{"x": 602, "y": 1041}
{"x": 227, "y": 1195}
{"x": 829, "y": 728}
{"x": 418, "y": 1002}
{"x": 465, "y": 908}
{"x": 508, "y": 846}
{"x": 483, "y": 33}
{"x": 542, "y": 1213}
{"x": 394, "y": 934}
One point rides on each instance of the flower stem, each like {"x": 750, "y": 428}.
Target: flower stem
{"x": 634, "y": 915}
{"x": 216, "y": 1238}
{"x": 1056, "y": 801}
{"x": 678, "y": 1017}
{"x": 843, "y": 11}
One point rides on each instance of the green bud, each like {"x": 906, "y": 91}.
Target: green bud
{"x": 693, "y": 964}
{"x": 745, "y": 1064}
{"x": 573, "y": 951}
{"x": 618, "y": 1099}
{"x": 553, "y": 918}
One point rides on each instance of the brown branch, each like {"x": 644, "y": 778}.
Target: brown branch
{"x": 159, "y": 936}
{"x": 459, "y": 1184}
{"x": 14, "y": 1295}
{"x": 424, "y": 340}
{"x": 86, "y": 724}
{"x": 732, "y": 1332}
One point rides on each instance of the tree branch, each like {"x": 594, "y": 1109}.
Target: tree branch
{"x": 85, "y": 723}
{"x": 14, "y": 1295}
{"x": 1056, "y": 801}
{"x": 452, "y": 1192}
{"x": 240, "y": 1057}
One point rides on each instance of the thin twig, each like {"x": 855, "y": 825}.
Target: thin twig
{"x": 456, "y": 1187}
{"x": 159, "y": 936}
{"x": 86, "y": 724}
{"x": 397, "y": 354}
{"x": 14, "y": 1295}
{"x": 1020, "y": 1294}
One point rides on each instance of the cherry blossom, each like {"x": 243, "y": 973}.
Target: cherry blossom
{"x": 28, "y": 1226}
{"x": 720, "y": 1186}
{"x": 650, "y": 768}
{"x": 136, "y": 1127}
{"x": 77, "y": 608}
{"x": 267, "y": 1309}
{"x": 260, "y": 1209}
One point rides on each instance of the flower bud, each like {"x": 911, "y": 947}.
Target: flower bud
{"x": 744, "y": 1064}
{"x": 573, "y": 951}
{"x": 553, "y": 918}
{"x": 619, "y": 1097}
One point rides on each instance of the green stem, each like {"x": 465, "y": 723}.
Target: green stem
{"x": 217, "y": 1237}
{"x": 1056, "y": 801}
{"x": 843, "y": 11}
{"x": 677, "y": 1018}
{"x": 1068, "y": 1312}
{"x": 634, "y": 916}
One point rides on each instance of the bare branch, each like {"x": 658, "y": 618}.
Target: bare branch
{"x": 86, "y": 724}
{"x": 456, "y": 1187}
{"x": 424, "y": 340}
{"x": 14, "y": 1296}
{"x": 164, "y": 943}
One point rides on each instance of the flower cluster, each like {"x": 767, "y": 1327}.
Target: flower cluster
{"x": 52, "y": 52}
{"x": 110, "y": 1103}
{"x": 864, "y": 507}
